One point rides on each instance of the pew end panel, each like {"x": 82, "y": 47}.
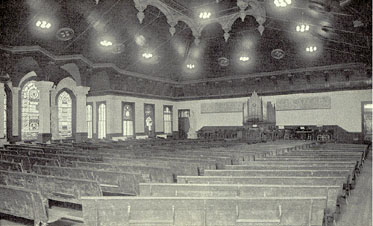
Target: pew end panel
{"x": 25, "y": 203}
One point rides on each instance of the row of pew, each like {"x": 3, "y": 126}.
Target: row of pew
{"x": 303, "y": 185}
{"x": 33, "y": 175}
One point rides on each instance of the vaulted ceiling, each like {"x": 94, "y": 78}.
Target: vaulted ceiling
{"x": 341, "y": 30}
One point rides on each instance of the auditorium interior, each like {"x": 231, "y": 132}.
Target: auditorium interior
{"x": 186, "y": 112}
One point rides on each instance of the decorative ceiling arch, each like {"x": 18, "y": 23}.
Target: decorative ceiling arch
{"x": 247, "y": 7}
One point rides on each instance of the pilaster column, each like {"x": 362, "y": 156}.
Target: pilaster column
{"x": 2, "y": 115}
{"x": 15, "y": 110}
{"x": 54, "y": 116}
{"x": 44, "y": 111}
{"x": 81, "y": 133}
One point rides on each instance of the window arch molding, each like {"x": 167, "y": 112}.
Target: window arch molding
{"x": 28, "y": 77}
{"x": 67, "y": 83}
{"x": 73, "y": 108}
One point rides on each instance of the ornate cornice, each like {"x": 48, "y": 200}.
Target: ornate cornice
{"x": 27, "y": 49}
{"x": 349, "y": 66}
{"x": 247, "y": 8}
{"x": 332, "y": 77}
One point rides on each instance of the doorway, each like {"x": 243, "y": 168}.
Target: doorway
{"x": 184, "y": 125}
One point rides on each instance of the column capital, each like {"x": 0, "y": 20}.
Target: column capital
{"x": 82, "y": 90}
{"x": 44, "y": 85}
{"x": 15, "y": 89}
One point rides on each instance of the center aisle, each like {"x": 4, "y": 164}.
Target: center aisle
{"x": 359, "y": 209}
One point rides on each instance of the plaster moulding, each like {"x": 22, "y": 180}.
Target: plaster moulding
{"x": 247, "y": 7}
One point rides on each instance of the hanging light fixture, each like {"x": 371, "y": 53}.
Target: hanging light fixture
{"x": 282, "y": 3}
{"x": 311, "y": 49}
{"x": 190, "y": 66}
{"x": 302, "y": 27}
{"x": 43, "y": 24}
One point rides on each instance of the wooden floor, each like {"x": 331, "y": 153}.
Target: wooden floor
{"x": 358, "y": 212}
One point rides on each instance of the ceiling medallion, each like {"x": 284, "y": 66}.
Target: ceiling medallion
{"x": 65, "y": 34}
{"x": 278, "y": 54}
{"x": 325, "y": 29}
{"x": 118, "y": 48}
{"x": 318, "y": 6}
{"x": 223, "y": 61}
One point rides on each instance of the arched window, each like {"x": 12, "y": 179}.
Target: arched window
{"x": 101, "y": 121}
{"x": 128, "y": 120}
{"x": 89, "y": 120}
{"x": 167, "y": 119}
{"x": 64, "y": 115}
{"x": 30, "y": 97}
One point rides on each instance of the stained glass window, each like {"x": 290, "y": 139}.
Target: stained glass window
{"x": 101, "y": 121}
{"x": 149, "y": 126}
{"x": 89, "y": 120}
{"x": 167, "y": 119}
{"x": 30, "y": 97}
{"x": 128, "y": 128}
{"x": 65, "y": 115}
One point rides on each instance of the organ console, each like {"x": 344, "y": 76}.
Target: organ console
{"x": 259, "y": 123}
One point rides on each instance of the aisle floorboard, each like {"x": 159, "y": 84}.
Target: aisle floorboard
{"x": 358, "y": 212}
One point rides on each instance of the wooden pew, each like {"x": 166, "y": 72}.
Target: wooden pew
{"x": 308, "y": 158}
{"x": 55, "y": 188}
{"x": 62, "y": 158}
{"x": 11, "y": 166}
{"x": 109, "y": 181}
{"x": 301, "y": 162}
{"x": 349, "y": 156}
{"x": 24, "y": 203}
{"x": 198, "y": 211}
{"x": 350, "y": 169}
{"x": 51, "y": 150}
{"x": 264, "y": 166}
{"x": 28, "y": 162}
{"x": 339, "y": 181}
{"x": 287, "y": 173}
{"x": 343, "y": 147}
{"x": 327, "y": 152}
{"x": 304, "y": 163}
{"x": 204, "y": 161}
{"x": 157, "y": 174}
{"x": 181, "y": 165}
{"x": 178, "y": 168}
{"x": 243, "y": 190}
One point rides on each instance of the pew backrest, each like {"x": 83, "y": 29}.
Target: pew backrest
{"x": 332, "y": 192}
{"x": 157, "y": 174}
{"x": 55, "y": 188}
{"x": 110, "y": 181}
{"x": 23, "y": 203}
{"x": 182, "y": 211}
{"x": 11, "y": 166}
{"x": 339, "y": 181}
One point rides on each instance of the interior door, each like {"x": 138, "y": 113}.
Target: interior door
{"x": 183, "y": 120}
